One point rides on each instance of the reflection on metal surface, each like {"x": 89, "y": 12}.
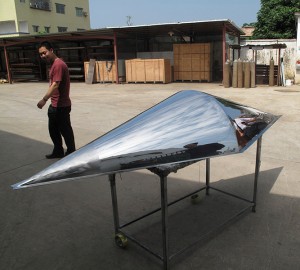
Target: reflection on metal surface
{"x": 182, "y": 129}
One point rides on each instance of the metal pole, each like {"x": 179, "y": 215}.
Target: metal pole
{"x": 255, "y": 60}
{"x": 116, "y": 58}
{"x": 257, "y": 167}
{"x": 112, "y": 180}
{"x": 7, "y": 65}
{"x": 207, "y": 175}
{"x": 224, "y": 50}
{"x": 164, "y": 220}
{"x": 279, "y": 82}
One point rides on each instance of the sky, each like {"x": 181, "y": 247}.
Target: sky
{"x": 143, "y": 12}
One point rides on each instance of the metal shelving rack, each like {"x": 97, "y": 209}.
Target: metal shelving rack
{"x": 121, "y": 236}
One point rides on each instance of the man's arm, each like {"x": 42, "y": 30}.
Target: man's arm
{"x": 51, "y": 89}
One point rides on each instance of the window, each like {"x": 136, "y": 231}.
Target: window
{"x": 22, "y": 1}
{"x": 62, "y": 29}
{"x": 40, "y": 4}
{"x": 79, "y": 12}
{"x": 60, "y": 8}
{"x": 47, "y": 29}
{"x": 35, "y": 28}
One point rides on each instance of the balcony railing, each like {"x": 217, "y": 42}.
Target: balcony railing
{"x": 40, "y": 4}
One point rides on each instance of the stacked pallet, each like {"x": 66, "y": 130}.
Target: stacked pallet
{"x": 148, "y": 70}
{"x": 192, "y": 62}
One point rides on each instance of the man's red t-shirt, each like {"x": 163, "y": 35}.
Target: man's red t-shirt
{"x": 59, "y": 72}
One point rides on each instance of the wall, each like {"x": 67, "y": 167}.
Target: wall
{"x": 7, "y": 10}
{"x": 297, "y": 75}
{"x": 7, "y": 17}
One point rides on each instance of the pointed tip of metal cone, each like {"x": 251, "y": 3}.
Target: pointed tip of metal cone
{"x": 15, "y": 186}
{"x": 19, "y": 185}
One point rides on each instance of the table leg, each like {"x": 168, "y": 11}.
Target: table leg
{"x": 207, "y": 175}
{"x": 257, "y": 167}
{"x": 112, "y": 180}
{"x": 164, "y": 219}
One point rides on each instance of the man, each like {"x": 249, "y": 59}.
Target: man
{"x": 59, "y": 110}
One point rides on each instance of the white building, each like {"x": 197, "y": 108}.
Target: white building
{"x": 33, "y": 17}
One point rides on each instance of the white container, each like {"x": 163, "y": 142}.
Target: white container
{"x": 288, "y": 82}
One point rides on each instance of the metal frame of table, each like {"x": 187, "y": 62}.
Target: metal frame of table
{"x": 121, "y": 236}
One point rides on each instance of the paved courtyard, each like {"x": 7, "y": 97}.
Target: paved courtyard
{"x": 69, "y": 225}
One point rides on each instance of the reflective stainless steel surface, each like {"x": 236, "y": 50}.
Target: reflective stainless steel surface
{"x": 186, "y": 127}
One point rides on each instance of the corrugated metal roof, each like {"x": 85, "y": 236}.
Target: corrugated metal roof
{"x": 194, "y": 28}
{"x": 181, "y": 28}
{"x": 260, "y": 46}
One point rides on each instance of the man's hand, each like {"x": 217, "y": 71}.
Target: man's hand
{"x": 41, "y": 103}
{"x": 51, "y": 89}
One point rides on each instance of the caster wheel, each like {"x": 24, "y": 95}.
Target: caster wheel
{"x": 121, "y": 240}
{"x": 196, "y": 198}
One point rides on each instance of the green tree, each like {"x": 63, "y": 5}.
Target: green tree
{"x": 276, "y": 19}
{"x": 249, "y": 24}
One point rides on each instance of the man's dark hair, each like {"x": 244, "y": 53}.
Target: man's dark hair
{"x": 46, "y": 44}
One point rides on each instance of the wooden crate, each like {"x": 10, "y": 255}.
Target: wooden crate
{"x": 86, "y": 70}
{"x": 196, "y": 48}
{"x": 196, "y": 62}
{"x": 128, "y": 70}
{"x": 148, "y": 70}
{"x": 207, "y": 48}
{"x": 107, "y": 71}
{"x": 185, "y": 62}
{"x": 192, "y": 62}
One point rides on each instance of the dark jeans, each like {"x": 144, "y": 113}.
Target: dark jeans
{"x": 60, "y": 126}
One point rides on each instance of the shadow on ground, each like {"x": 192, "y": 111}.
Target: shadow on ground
{"x": 69, "y": 225}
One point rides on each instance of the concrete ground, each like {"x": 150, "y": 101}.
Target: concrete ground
{"x": 69, "y": 225}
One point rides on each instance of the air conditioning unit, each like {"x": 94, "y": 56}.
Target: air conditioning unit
{"x": 85, "y": 14}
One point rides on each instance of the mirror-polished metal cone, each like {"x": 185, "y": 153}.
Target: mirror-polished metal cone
{"x": 186, "y": 127}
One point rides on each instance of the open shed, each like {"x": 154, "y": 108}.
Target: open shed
{"x": 262, "y": 72}
{"x": 20, "y": 60}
